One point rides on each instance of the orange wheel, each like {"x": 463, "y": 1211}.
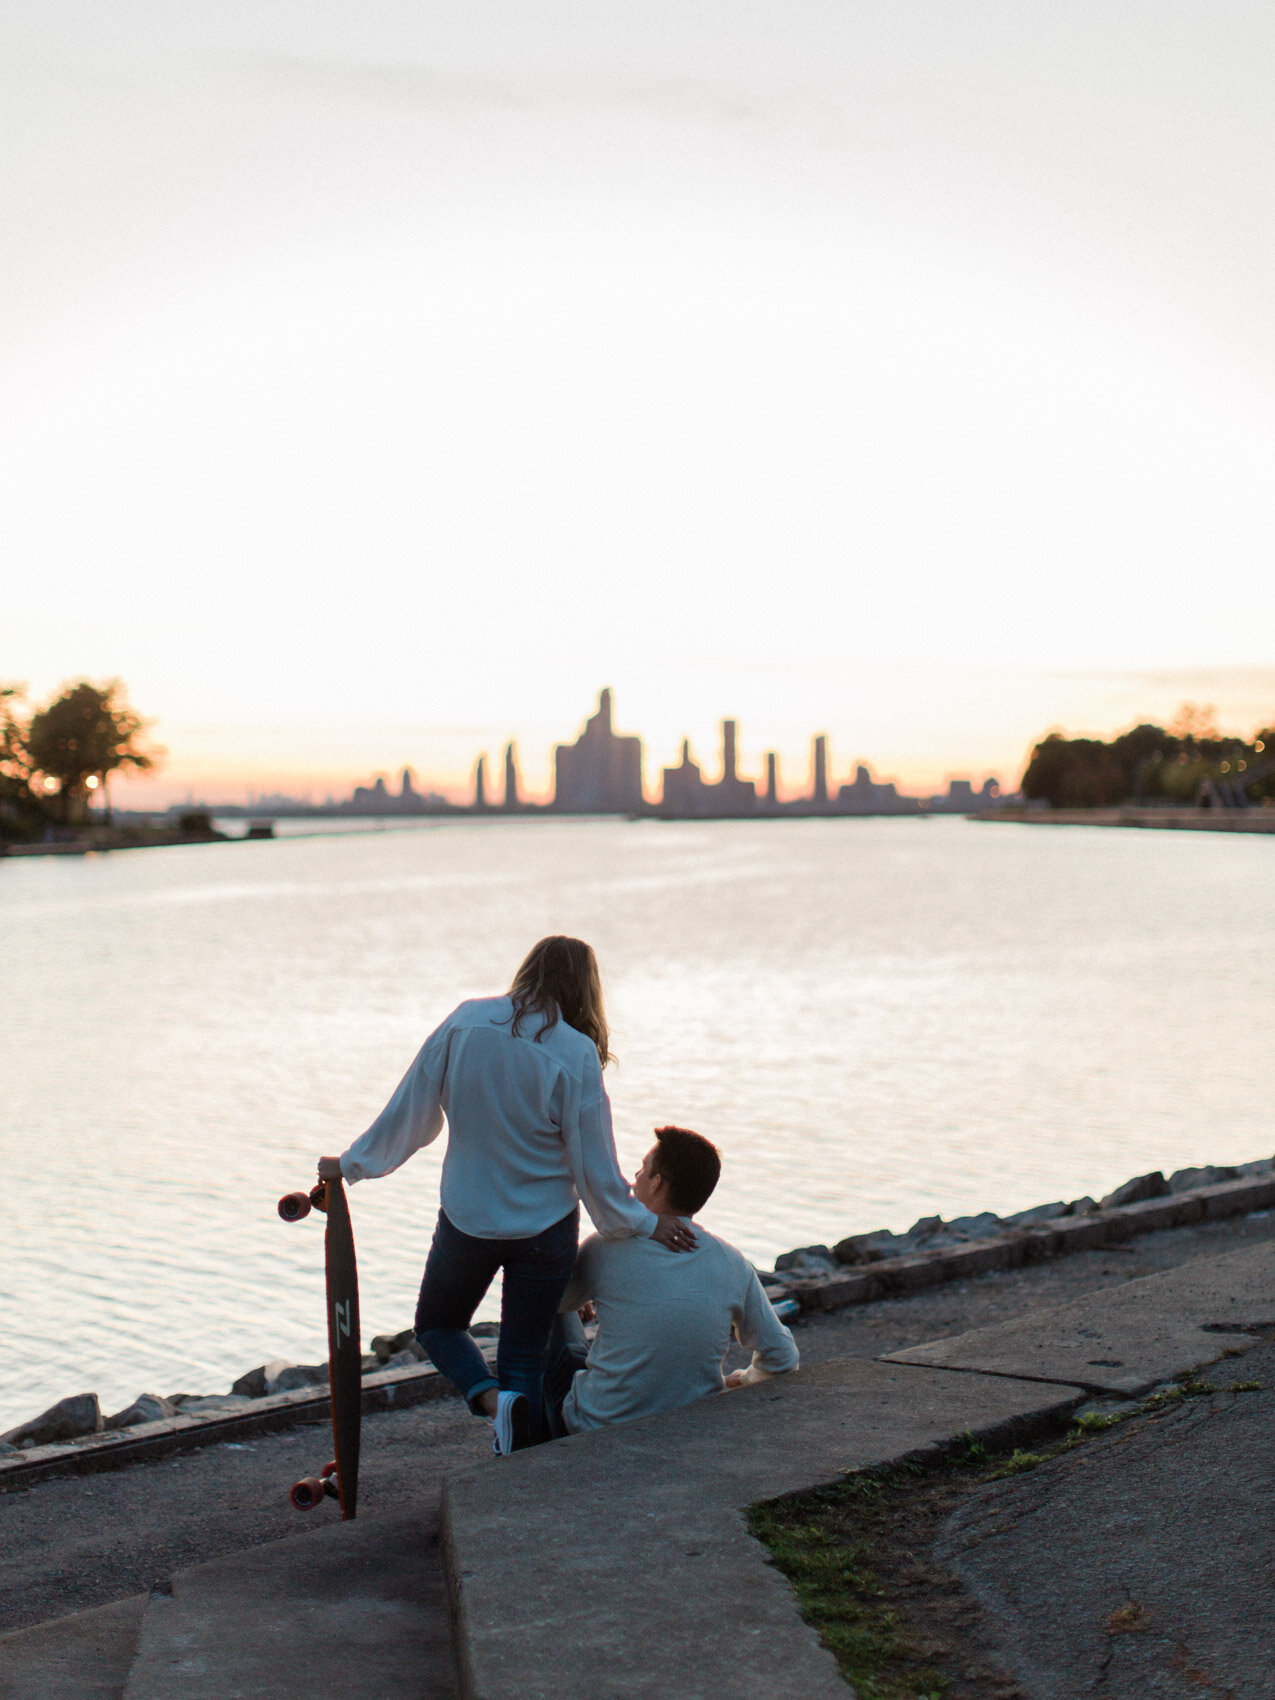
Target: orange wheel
{"x": 307, "y": 1493}
{"x": 294, "y": 1205}
{"x": 328, "y": 1470}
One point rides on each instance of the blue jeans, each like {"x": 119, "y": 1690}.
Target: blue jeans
{"x": 459, "y": 1271}
{"x": 568, "y": 1352}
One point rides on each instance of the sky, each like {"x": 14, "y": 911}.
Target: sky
{"x": 377, "y": 383}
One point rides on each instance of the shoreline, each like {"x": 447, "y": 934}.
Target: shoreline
{"x": 213, "y": 1500}
{"x": 71, "y": 1436}
{"x": 138, "y": 837}
{"x": 1171, "y": 820}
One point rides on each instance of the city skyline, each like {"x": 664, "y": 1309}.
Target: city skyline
{"x": 601, "y": 772}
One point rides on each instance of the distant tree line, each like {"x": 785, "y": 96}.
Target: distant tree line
{"x": 57, "y": 760}
{"x": 1190, "y": 763}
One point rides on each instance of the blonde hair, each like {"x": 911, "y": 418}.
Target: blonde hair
{"x": 559, "y": 977}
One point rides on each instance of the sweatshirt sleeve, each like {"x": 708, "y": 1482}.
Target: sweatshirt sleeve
{"x": 760, "y": 1331}
{"x": 595, "y": 1168}
{"x": 412, "y": 1118}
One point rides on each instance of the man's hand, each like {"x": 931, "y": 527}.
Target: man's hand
{"x": 588, "y": 1312}
{"x": 745, "y": 1377}
{"x": 329, "y": 1168}
{"x": 672, "y": 1232}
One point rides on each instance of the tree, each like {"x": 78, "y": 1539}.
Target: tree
{"x": 20, "y": 807}
{"x": 80, "y": 739}
{"x": 1148, "y": 764}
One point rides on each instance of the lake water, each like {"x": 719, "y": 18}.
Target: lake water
{"x": 875, "y": 1019}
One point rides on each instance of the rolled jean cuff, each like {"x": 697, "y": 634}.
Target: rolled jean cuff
{"x": 478, "y": 1388}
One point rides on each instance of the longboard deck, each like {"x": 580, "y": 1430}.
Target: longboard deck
{"x": 345, "y": 1353}
{"x": 345, "y": 1350}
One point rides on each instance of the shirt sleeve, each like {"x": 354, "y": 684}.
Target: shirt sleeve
{"x": 760, "y": 1331}
{"x": 413, "y": 1117}
{"x": 595, "y": 1168}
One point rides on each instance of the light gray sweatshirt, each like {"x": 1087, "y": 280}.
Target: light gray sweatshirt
{"x": 664, "y": 1323}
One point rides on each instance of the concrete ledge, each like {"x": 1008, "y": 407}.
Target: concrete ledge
{"x": 1079, "y": 1233}
{"x": 116, "y": 1449}
{"x": 1125, "y": 1339}
{"x": 896, "y": 1277}
{"x": 1236, "y": 1198}
{"x": 350, "y": 1610}
{"x": 616, "y": 1565}
{"x": 84, "y": 1656}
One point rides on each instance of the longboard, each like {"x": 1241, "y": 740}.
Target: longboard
{"x": 340, "y": 1478}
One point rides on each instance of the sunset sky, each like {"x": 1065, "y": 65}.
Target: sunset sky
{"x": 378, "y": 382}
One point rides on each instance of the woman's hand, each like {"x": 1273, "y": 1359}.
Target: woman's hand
{"x": 329, "y": 1168}
{"x": 734, "y": 1379}
{"x": 672, "y": 1232}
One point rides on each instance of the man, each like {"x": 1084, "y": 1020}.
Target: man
{"x": 664, "y": 1323}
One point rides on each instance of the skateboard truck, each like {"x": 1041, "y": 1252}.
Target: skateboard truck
{"x": 307, "y": 1493}
{"x": 294, "y": 1206}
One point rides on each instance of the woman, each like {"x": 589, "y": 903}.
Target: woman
{"x": 519, "y": 1079}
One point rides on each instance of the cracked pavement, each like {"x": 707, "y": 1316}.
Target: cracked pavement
{"x": 1141, "y": 1564}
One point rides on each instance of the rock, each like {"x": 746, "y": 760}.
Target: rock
{"x": 1263, "y": 1166}
{"x": 924, "y": 1227}
{"x": 1085, "y": 1206}
{"x": 386, "y": 1345}
{"x": 369, "y": 1363}
{"x": 80, "y": 1414}
{"x": 252, "y": 1385}
{"x": 485, "y": 1330}
{"x": 295, "y": 1376}
{"x": 806, "y": 1260}
{"x": 197, "y": 1405}
{"x": 1191, "y": 1180}
{"x": 1136, "y": 1191}
{"x": 981, "y": 1227}
{"x": 271, "y": 1372}
{"x": 406, "y": 1359}
{"x": 146, "y": 1408}
{"x": 866, "y": 1248}
{"x": 1038, "y": 1213}
{"x": 6, "y": 1449}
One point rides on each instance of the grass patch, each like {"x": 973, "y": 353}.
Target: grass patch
{"x": 842, "y": 1596}
{"x": 900, "y": 1625}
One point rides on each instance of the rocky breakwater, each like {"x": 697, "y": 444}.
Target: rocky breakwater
{"x": 878, "y": 1265}
{"x": 79, "y": 1420}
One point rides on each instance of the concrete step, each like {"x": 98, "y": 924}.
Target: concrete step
{"x": 86, "y": 1656}
{"x": 355, "y": 1611}
{"x": 617, "y": 1565}
{"x": 1123, "y": 1340}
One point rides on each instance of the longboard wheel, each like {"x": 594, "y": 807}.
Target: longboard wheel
{"x": 307, "y": 1493}
{"x": 294, "y": 1205}
{"x": 331, "y": 1469}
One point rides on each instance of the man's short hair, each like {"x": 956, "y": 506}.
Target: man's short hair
{"x": 690, "y": 1166}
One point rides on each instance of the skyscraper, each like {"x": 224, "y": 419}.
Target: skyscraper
{"x": 511, "y": 778}
{"x": 601, "y": 773}
{"x": 820, "y": 795}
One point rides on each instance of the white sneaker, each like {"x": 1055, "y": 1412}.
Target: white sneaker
{"x": 511, "y": 1423}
